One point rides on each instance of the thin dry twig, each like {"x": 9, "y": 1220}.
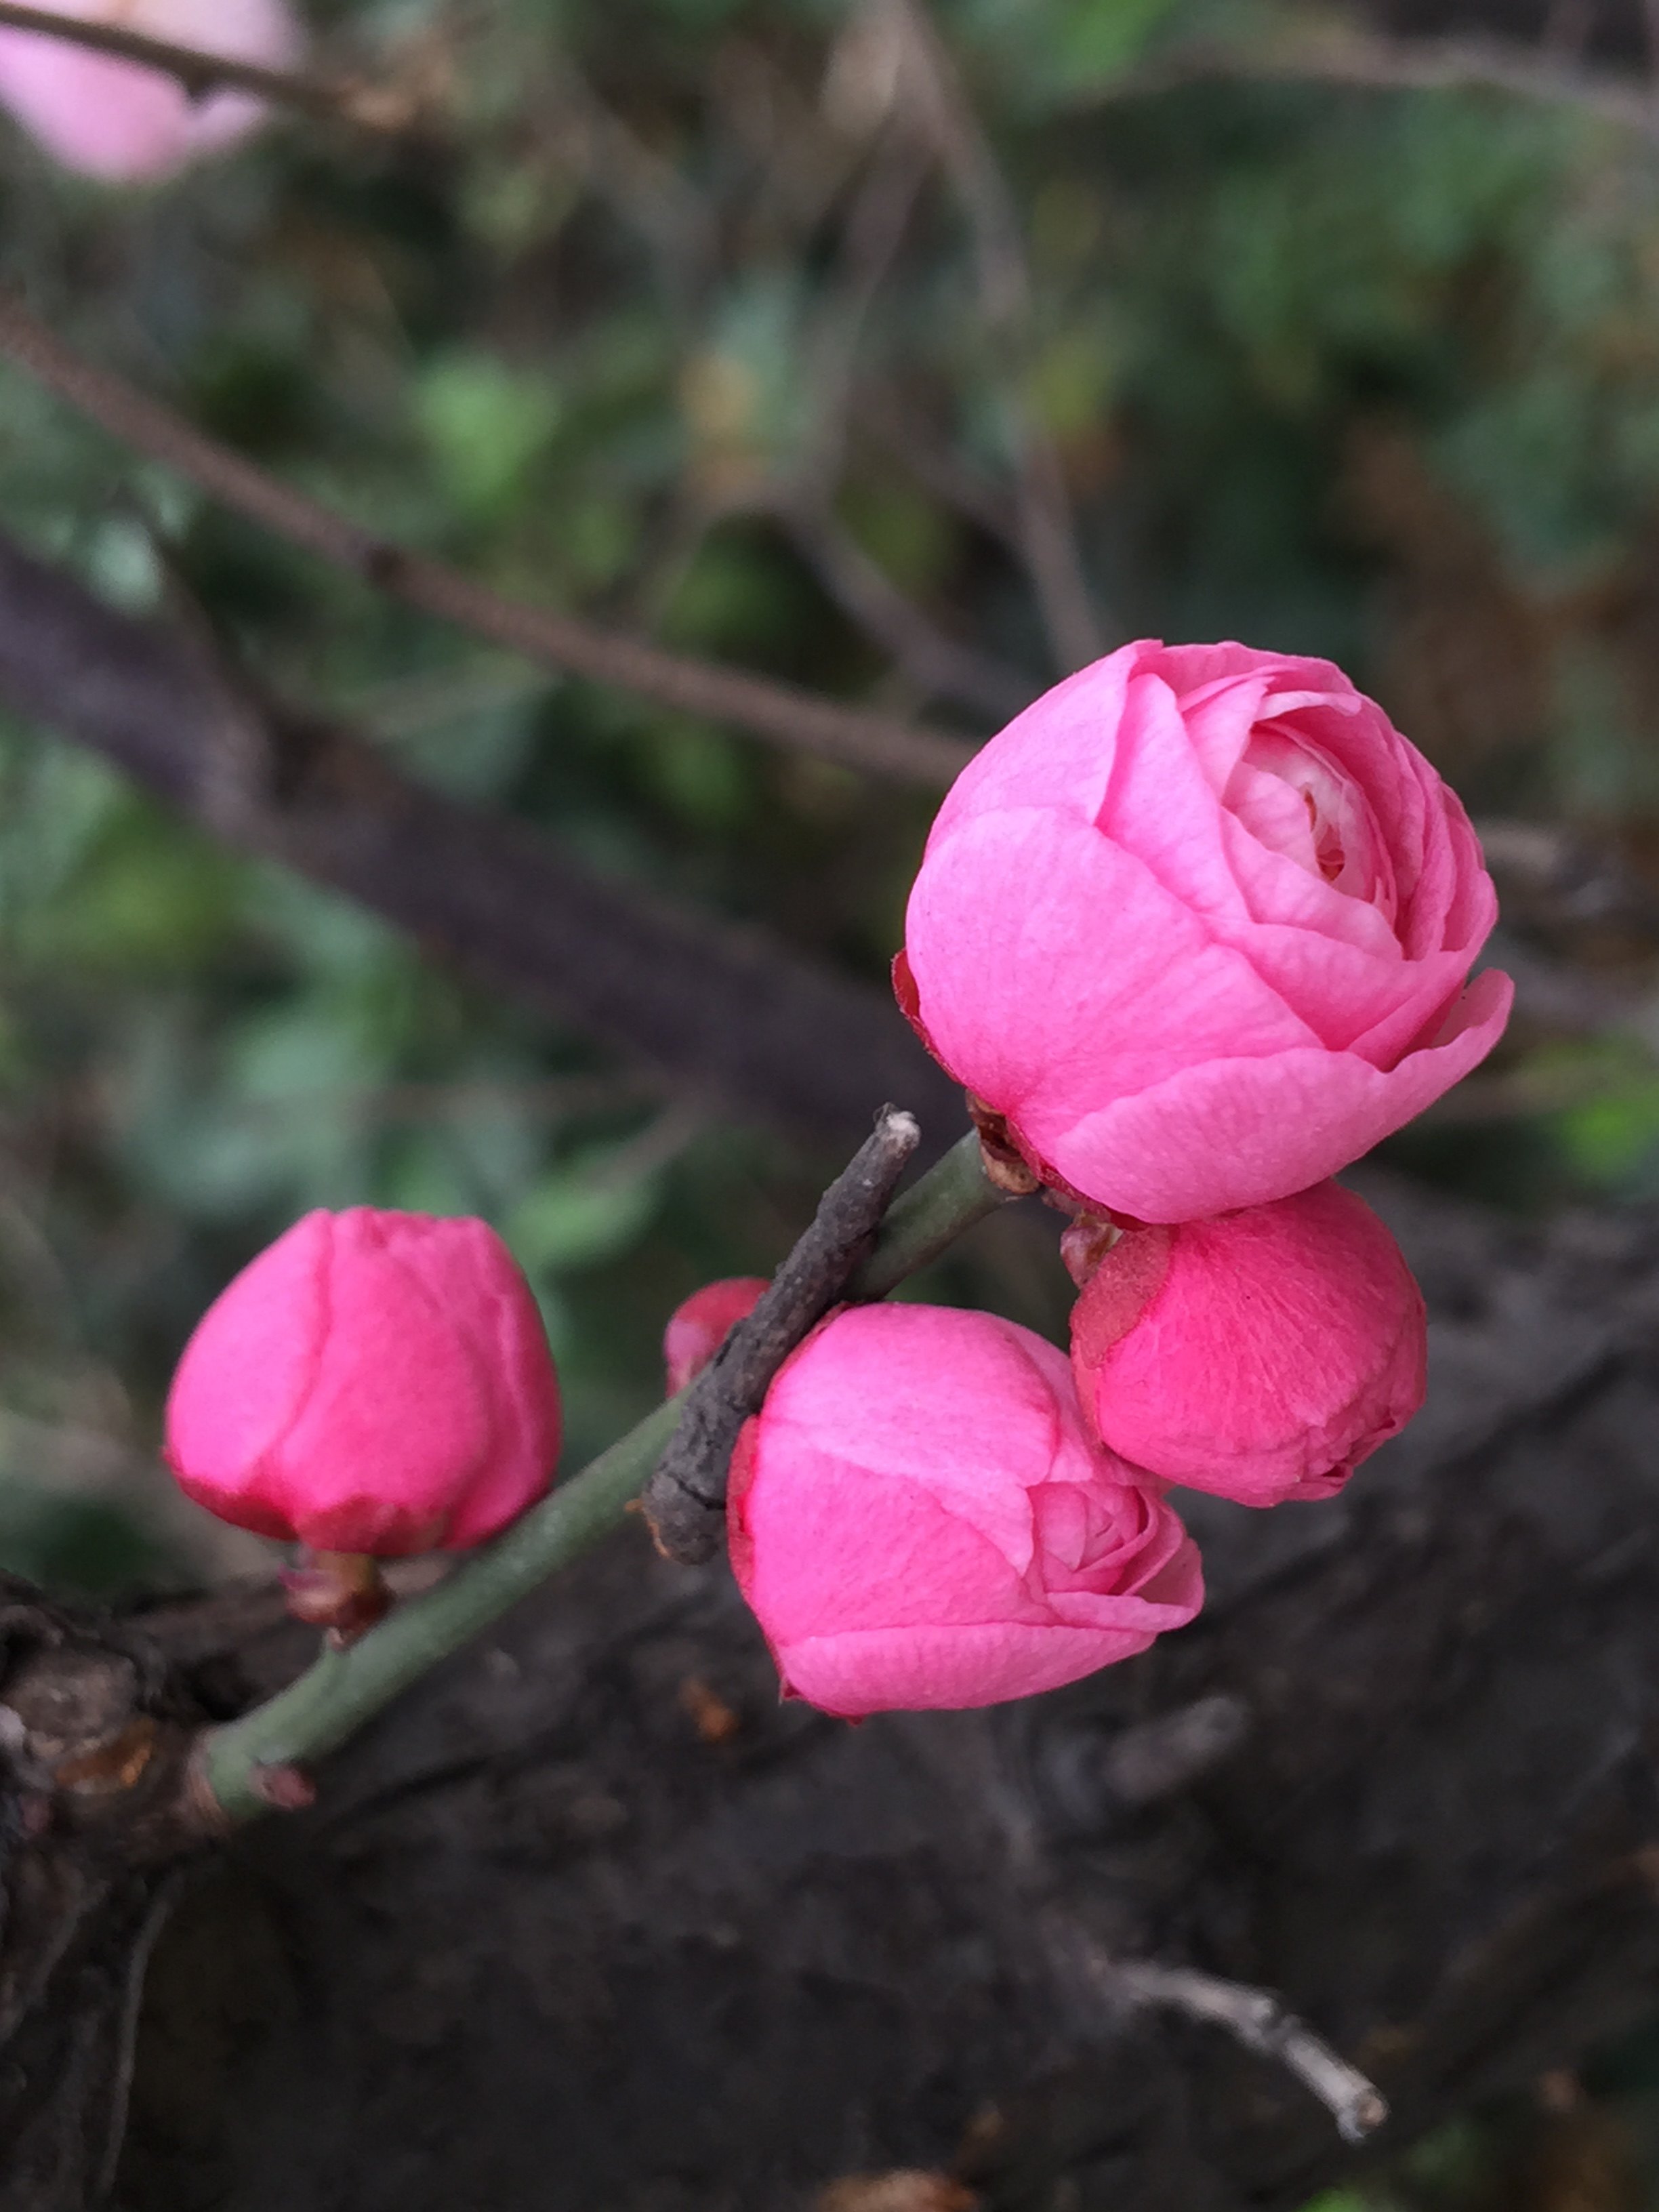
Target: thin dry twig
{"x": 871, "y": 238}
{"x": 879, "y": 744}
{"x": 168, "y": 1891}
{"x": 932, "y": 83}
{"x": 917, "y": 646}
{"x": 684, "y": 1500}
{"x": 1371, "y": 61}
{"x": 589, "y": 138}
{"x": 905, "y": 437}
{"x": 1259, "y": 2021}
{"x": 355, "y": 100}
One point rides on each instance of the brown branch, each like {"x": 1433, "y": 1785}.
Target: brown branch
{"x": 1048, "y": 538}
{"x": 684, "y": 1500}
{"x": 1372, "y": 61}
{"x": 354, "y": 101}
{"x": 864, "y": 592}
{"x": 593, "y": 142}
{"x": 871, "y": 240}
{"x": 879, "y": 743}
{"x": 906, "y": 438}
{"x": 721, "y": 1012}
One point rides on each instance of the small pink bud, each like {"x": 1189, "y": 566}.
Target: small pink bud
{"x": 118, "y": 120}
{"x": 373, "y": 1382}
{"x": 1261, "y": 1355}
{"x": 919, "y": 1517}
{"x": 697, "y": 1329}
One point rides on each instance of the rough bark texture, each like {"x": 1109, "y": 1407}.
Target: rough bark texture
{"x": 590, "y": 1923}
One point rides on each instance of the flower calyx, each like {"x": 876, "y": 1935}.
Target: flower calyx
{"x": 1006, "y": 1167}
{"x": 342, "y": 1592}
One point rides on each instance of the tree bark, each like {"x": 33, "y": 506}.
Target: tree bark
{"x": 592, "y": 1923}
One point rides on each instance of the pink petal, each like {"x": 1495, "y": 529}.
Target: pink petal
{"x": 1058, "y": 753}
{"x": 859, "y": 1671}
{"x": 253, "y": 1358}
{"x": 119, "y": 121}
{"x": 1227, "y": 1133}
{"x": 1005, "y": 932}
{"x": 1284, "y": 1343}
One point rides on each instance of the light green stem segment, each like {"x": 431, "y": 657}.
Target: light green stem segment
{"x": 342, "y": 1689}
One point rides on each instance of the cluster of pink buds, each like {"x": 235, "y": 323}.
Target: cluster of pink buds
{"x": 1194, "y": 931}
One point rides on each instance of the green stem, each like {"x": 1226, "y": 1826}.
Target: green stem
{"x": 342, "y": 1689}
{"x": 928, "y": 1219}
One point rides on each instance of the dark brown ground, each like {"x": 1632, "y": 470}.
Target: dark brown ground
{"x": 592, "y": 1924}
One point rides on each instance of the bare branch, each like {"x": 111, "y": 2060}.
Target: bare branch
{"x": 908, "y": 439}
{"x": 366, "y": 106}
{"x": 877, "y": 742}
{"x": 1372, "y": 62}
{"x": 861, "y": 589}
{"x": 1260, "y": 2023}
{"x": 719, "y": 1010}
{"x": 684, "y": 1500}
{"x": 589, "y": 138}
{"x": 871, "y": 238}
{"x": 934, "y": 87}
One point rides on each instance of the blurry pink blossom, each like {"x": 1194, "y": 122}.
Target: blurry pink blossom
{"x": 698, "y": 1326}
{"x": 919, "y": 1517}
{"x": 1261, "y": 1355}
{"x": 373, "y": 1382}
{"x": 1198, "y": 925}
{"x": 117, "y": 120}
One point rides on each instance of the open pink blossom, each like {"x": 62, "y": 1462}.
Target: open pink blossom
{"x": 1197, "y": 924}
{"x": 120, "y": 121}
{"x": 700, "y": 1325}
{"x": 373, "y": 1382}
{"x": 1261, "y": 1355}
{"x": 919, "y": 1517}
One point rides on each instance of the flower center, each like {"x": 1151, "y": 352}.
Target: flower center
{"x": 1293, "y": 798}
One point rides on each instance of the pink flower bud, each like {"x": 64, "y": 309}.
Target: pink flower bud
{"x": 697, "y": 1329}
{"x": 373, "y": 1382}
{"x": 1262, "y": 1356}
{"x": 120, "y": 121}
{"x": 1197, "y": 925}
{"x": 919, "y": 1517}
